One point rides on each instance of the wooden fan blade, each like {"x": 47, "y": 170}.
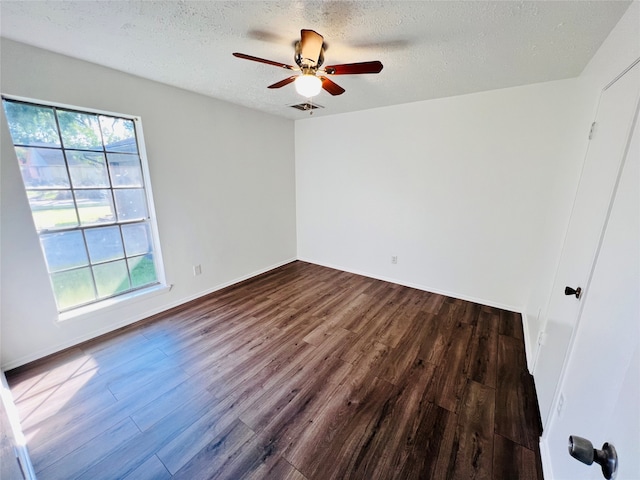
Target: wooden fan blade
{"x": 262, "y": 60}
{"x": 284, "y": 82}
{"x": 354, "y": 68}
{"x": 311, "y": 45}
{"x": 331, "y": 87}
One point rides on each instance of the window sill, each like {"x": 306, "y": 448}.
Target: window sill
{"x": 87, "y": 311}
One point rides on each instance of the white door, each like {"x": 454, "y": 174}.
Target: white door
{"x": 601, "y": 384}
{"x": 601, "y": 168}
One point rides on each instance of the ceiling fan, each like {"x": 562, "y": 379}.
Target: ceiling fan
{"x": 309, "y": 57}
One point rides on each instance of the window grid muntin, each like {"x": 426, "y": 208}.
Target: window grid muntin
{"x": 84, "y": 239}
{"x": 111, "y": 188}
{"x": 75, "y": 205}
{"x": 95, "y": 288}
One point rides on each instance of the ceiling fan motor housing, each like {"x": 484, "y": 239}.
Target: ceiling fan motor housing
{"x": 308, "y": 63}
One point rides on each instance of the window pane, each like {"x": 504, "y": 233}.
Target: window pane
{"x": 125, "y": 170}
{"x": 79, "y": 130}
{"x": 42, "y": 167}
{"x": 87, "y": 169}
{"x": 64, "y": 250}
{"x": 119, "y": 134}
{"x": 131, "y": 204}
{"x": 95, "y": 206}
{"x": 137, "y": 238}
{"x": 143, "y": 270}
{"x": 52, "y": 209}
{"x": 111, "y": 278}
{"x": 31, "y": 125}
{"x": 104, "y": 244}
{"x": 73, "y": 287}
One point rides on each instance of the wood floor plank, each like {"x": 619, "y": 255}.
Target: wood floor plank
{"x": 347, "y": 441}
{"x": 188, "y": 395}
{"x": 511, "y": 460}
{"x": 400, "y": 359}
{"x": 512, "y": 395}
{"x": 511, "y": 324}
{"x": 194, "y": 323}
{"x": 324, "y": 328}
{"x": 349, "y": 292}
{"x": 436, "y": 333}
{"x": 361, "y": 344}
{"x": 127, "y": 456}
{"x": 199, "y": 354}
{"x": 260, "y": 374}
{"x": 27, "y": 383}
{"x": 401, "y": 320}
{"x": 90, "y": 453}
{"x": 108, "y": 360}
{"x": 300, "y": 373}
{"x": 483, "y": 360}
{"x": 281, "y": 470}
{"x": 472, "y": 453}
{"x": 217, "y": 455}
{"x": 222, "y": 355}
{"x": 146, "y": 380}
{"x": 255, "y": 461}
{"x": 450, "y": 379}
{"x": 152, "y": 469}
{"x": 432, "y": 439}
{"x": 469, "y": 312}
{"x": 357, "y": 320}
{"x": 291, "y": 397}
{"x": 79, "y": 394}
{"x": 294, "y": 425}
{"x": 186, "y": 445}
{"x": 387, "y": 447}
{"x": 63, "y": 433}
{"x": 434, "y": 303}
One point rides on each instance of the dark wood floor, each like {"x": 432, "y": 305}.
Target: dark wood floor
{"x": 301, "y": 373}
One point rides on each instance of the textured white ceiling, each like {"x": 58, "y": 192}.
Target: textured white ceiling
{"x": 429, "y": 49}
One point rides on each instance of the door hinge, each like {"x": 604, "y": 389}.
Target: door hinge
{"x": 591, "y": 130}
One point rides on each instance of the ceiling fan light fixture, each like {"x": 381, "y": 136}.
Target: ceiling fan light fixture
{"x": 309, "y": 57}
{"x": 308, "y": 85}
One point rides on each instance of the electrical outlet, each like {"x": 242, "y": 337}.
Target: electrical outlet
{"x": 197, "y": 270}
{"x": 394, "y": 259}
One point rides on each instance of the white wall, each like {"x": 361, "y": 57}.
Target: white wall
{"x": 466, "y": 191}
{"x": 223, "y": 183}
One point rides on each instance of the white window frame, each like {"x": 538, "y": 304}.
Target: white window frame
{"x": 130, "y": 296}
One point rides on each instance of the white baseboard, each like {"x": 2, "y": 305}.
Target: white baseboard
{"x": 529, "y": 347}
{"x": 547, "y": 472}
{"x": 154, "y": 311}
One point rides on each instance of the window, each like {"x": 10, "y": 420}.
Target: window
{"x": 87, "y": 185}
